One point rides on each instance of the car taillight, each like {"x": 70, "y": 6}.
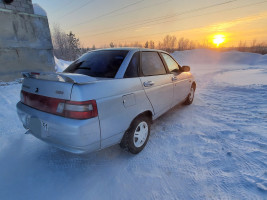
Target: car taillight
{"x": 22, "y": 97}
{"x": 78, "y": 110}
{"x": 69, "y": 109}
{"x": 35, "y": 73}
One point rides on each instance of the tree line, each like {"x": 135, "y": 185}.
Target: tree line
{"x": 169, "y": 43}
{"x": 67, "y": 46}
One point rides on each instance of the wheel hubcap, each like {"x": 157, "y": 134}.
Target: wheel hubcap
{"x": 140, "y": 134}
{"x": 191, "y": 94}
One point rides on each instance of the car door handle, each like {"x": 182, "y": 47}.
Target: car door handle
{"x": 149, "y": 83}
{"x": 174, "y": 78}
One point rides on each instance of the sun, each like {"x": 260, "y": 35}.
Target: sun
{"x": 218, "y": 39}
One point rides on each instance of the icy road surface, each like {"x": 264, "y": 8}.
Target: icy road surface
{"x": 214, "y": 149}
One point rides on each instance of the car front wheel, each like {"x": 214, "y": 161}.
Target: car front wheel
{"x": 190, "y": 98}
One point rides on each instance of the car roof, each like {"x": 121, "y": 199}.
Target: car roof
{"x": 131, "y": 49}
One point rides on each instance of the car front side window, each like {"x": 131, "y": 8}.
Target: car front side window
{"x": 171, "y": 64}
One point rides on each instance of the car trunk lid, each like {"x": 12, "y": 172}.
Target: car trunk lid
{"x": 55, "y": 85}
{"x": 51, "y": 93}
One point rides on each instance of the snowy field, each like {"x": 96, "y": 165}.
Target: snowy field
{"x": 214, "y": 149}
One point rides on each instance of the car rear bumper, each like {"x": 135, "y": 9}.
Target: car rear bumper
{"x": 76, "y": 136}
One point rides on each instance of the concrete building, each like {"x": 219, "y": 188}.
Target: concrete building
{"x": 25, "y": 40}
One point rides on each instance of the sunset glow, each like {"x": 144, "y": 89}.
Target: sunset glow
{"x": 124, "y": 21}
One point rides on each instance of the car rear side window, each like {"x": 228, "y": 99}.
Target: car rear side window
{"x": 172, "y": 65}
{"x": 132, "y": 70}
{"x": 103, "y": 63}
{"x": 152, "y": 64}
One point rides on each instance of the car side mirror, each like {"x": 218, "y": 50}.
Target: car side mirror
{"x": 185, "y": 68}
{"x": 176, "y": 70}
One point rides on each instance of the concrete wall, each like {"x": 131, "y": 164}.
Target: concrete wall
{"x": 24, "y": 6}
{"x": 25, "y": 44}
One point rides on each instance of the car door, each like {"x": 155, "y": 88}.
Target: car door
{"x": 181, "y": 81}
{"x": 156, "y": 81}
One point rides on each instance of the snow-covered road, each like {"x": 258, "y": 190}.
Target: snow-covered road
{"x": 214, "y": 149}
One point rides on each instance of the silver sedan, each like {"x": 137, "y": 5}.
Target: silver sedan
{"x": 105, "y": 97}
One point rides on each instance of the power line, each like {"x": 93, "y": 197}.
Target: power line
{"x": 63, "y": 6}
{"x": 179, "y": 30}
{"x": 138, "y": 9}
{"x": 76, "y": 9}
{"x": 253, "y": 4}
{"x": 108, "y": 13}
{"x": 164, "y": 17}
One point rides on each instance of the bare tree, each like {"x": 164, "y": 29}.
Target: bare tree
{"x": 242, "y": 46}
{"x": 111, "y": 45}
{"x": 151, "y": 44}
{"x": 73, "y": 46}
{"x": 146, "y": 44}
{"x": 169, "y": 43}
{"x": 133, "y": 44}
{"x": 183, "y": 44}
{"x": 160, "y": 45}
{"x": 205, "y": 44}
{"x": 60, "y": 42}
{"x": 66, "y": 46}
{"x": 192, "y": 45}
{"x": 254, "y": 47}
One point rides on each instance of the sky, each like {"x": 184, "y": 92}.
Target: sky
{"x": 99, "y": 22}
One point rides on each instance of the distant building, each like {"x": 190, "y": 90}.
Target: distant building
{"x": 25, "y": 40}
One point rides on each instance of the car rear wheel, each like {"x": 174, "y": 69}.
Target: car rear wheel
{"x": 136, "y": 137}
{"x": 190, "y": 98}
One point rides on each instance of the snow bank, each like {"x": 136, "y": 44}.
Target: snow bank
{"x": 61, "y": 65}
{"x": 233, "y": 67}
{"x": 206, "y": 56}
{"x": 38, "y": 10}
{"x": 243, "y": 77}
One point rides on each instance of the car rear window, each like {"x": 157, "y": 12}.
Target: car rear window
{"x": 104, "y": 63}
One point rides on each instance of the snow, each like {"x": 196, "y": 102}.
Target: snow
{"x": 243, "y": 77}
{"x": 206, "y": 56}
{"x": 38, "y": 10}
{"x": 215, "y": 148}
{"x": 61, "y": 65}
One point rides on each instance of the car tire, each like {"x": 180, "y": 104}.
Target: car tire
{"x": 190, "y": 98}
{"x": 135, "y": 139}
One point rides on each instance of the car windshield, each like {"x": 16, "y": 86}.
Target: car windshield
{"x": 104, "y": 63}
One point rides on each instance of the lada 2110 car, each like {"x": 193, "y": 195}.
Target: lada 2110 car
{"x": 104, "y": 98}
